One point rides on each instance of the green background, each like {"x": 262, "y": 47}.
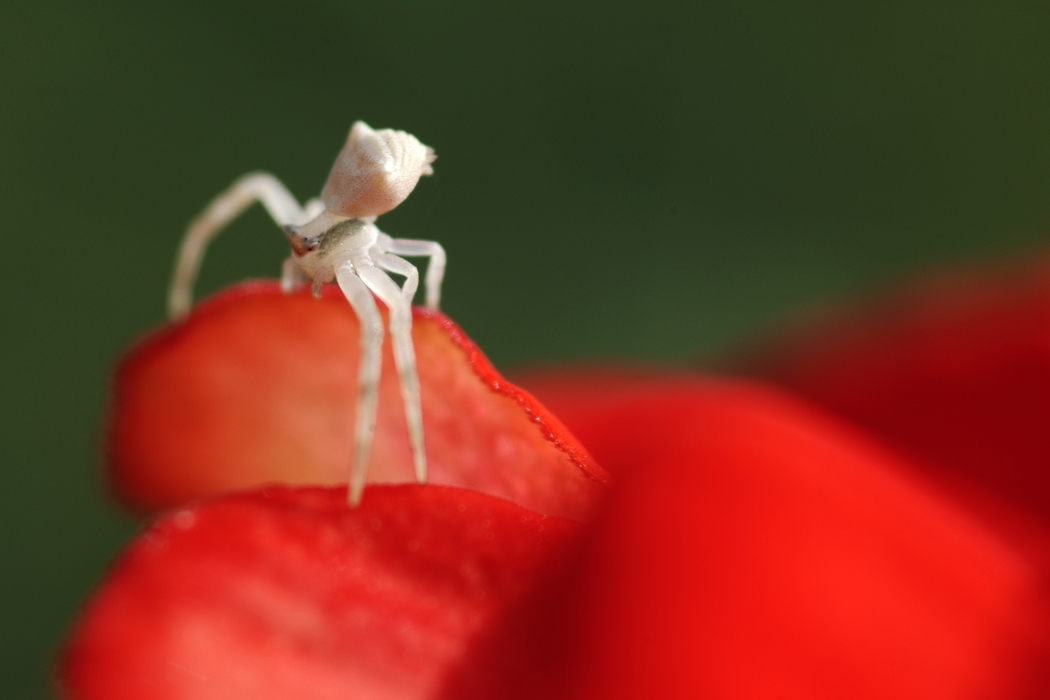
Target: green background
{"x": 648, "y": 180}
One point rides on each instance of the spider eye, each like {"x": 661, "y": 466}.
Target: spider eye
{"x": 300, "y": 244}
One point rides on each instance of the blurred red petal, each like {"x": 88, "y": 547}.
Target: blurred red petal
{"x": 759, "y": 549}
{"x": 955, "y": 372}
{"x": 588, "y": 399}
{"x": 287, "y": 593}
{"x": 257, "y": 387}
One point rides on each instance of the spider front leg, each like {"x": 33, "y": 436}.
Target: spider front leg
{"x": 422, "y": 249}
{"x": 399, "y": 301}
{"x": 254, "y": 187}
{"x": 292, "y": 276}
{"x": 368, "y": 369}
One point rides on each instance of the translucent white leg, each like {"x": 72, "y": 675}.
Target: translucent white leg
{"x": 399, "y": 301}
{"x": 312, "y": 209}
{"x": 368, "y": 369}
{"x": 423, "y": 249}
{"x": 254, "y": 187}
{"x": 399, "y": 266}
{"x": 291, "y": 276}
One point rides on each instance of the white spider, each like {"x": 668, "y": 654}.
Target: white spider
{"x": 335, "y": 237}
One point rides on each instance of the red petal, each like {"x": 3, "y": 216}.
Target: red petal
{"x": 761, "y": 550}
{"x": 955, "y": 372}
{"x": 287, "y": 593}
{"x": 256, "y": 387}
{"x": 588, "y": 399}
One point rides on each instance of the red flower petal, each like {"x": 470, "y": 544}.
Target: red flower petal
{"x": 760, "y": 550}
{"x": 588, "y": 399}
{"x": 287, "y": 593}
{"x": 955, "y": 372}
{"x": 256, "y": 386}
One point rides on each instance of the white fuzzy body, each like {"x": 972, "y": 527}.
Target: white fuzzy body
{"x": 375, "y": 171}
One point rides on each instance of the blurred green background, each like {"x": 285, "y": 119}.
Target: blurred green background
{"x": 651, "y": 180}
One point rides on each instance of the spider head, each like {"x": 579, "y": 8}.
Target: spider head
{"x": 301, "y": 244}
{"x": 375, "y": 171}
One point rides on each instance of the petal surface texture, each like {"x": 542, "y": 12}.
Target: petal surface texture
{"x": 286, "y": 593}
{"x": 258, "y": 387}
{"x": 756, "y": 548}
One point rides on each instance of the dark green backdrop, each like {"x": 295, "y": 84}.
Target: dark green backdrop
{"x": 616, "y": 180}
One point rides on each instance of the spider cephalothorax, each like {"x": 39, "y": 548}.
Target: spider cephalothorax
{"x": 335, "y": 238}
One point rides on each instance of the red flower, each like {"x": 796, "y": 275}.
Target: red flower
{"x": 752, "y": 546}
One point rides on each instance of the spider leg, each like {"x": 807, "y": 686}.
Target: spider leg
{"x": 399, "y": 266}
{"x": 291, "y": 276}
{"x": 399, "y": 301}
{"x": 368, "y": 370}
{"x": 311, "y": 209}
{"x": 254, "y": 187}
{"x": 423, "y": 249}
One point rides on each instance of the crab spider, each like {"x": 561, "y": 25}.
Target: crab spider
{"x": 335, "y": 238}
